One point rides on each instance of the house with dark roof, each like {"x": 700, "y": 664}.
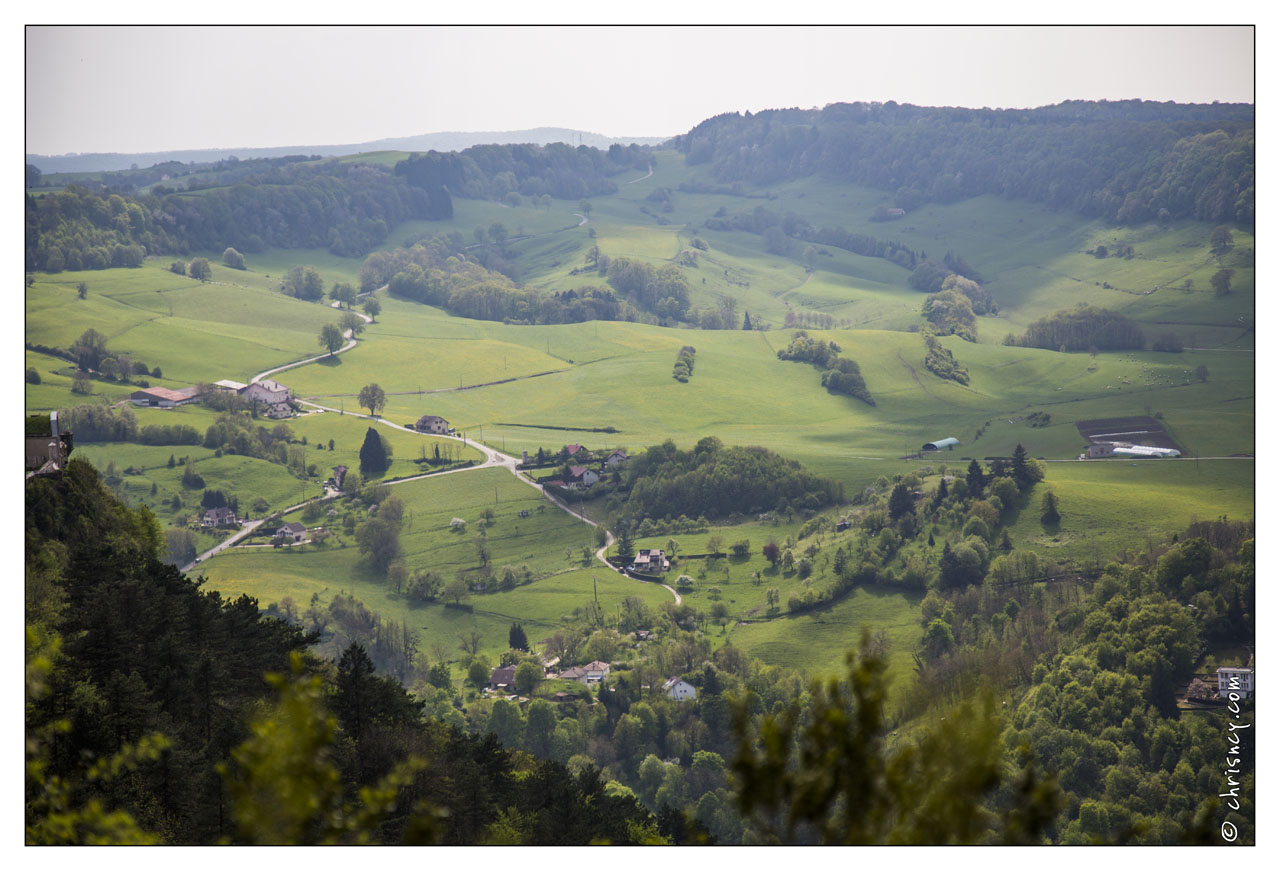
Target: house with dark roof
{"x": 503, "y": 678}
{"x": 222, "y": 516}
{"x": 432, "y": 423}
{"x": 293, "y": 532}
{"x": 339, "y": 475}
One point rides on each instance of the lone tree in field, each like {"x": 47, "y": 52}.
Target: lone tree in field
{"x": 1220, "y": 240}
{"x": 199, "y": 269}
{"x": 372, "y": 308}
{"x": 516, "y": 639}
{"x": 352, "y": 322}
{"x": 372, "y": 398}
{"x": 233, "y": 258}
{"x": 89, "y": 349}
{"x": 1221, "y": 281}
{"x": 1049, "y": 509}
{"x": 331, "y": 338}
{"x": 82, "y": 290}
{"x": 373, "y": 456}
{"x": 1202, "y": 373}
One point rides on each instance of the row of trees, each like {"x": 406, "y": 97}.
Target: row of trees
{"x": 840, "y": 374}
{"x": 1079, "y": 329}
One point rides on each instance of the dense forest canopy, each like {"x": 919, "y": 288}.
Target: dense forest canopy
{"x": 1124, "y": 161}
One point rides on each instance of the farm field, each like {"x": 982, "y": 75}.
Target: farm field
{"x": 548, "y": 541}
{"x": 816, "y": 641}
{"x": 528, "y": 387}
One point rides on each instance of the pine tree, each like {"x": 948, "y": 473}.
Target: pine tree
{"x": 373, "y": 457}
{"x": 900, "y": 501}
{"x": 1049, "y": 509}
{"x": 975, "y": 478}
{"x": 516, "y": 638}
{"x": 746, "y": 321}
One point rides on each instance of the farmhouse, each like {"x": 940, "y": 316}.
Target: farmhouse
{"x": 228, "y": 386}
{"x": 616, "y": 458}
{"x": 1236, "y": 680}
{"x": 433, "y": 423}
{"x": 503, "y": 678}
{"x": 591, "y": 673}
{"x": 273, "y": 394}
{"x": 218, "y": 517}
{"x": 679, "y": 689}
{"x": 948, "y": 443}
{"x": 294, "y": 532}
{"x": 1093, "y": 452}
{"x": 339, "y": 476}
{"x": 581, "y": 475}
{"x": 163, "y": 397}
{"x": 650, "y": 561}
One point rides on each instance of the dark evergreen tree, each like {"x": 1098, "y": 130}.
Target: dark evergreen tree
{"x": 975, "y": 478}
{"x": 900, "y": 501}
{"x": 516, "y": 638}
{"x": 373, "y": 457}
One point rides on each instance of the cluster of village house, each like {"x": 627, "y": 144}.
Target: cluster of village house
{"x": 581, "y": 474}
{"x": 273, "y": 395}
{"x": 502, "y": 681}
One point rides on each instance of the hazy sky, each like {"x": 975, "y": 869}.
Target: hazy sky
{"x": 133, "y": 89}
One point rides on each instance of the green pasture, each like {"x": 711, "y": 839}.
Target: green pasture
{"x": 243, "y": 477}
{"x": 194, "y": 332}
{"x": 818, "y": 640}
{"x": 348, "y": 434}
{"x": 539, "y": 540}
{"x": 1113, "y": 505}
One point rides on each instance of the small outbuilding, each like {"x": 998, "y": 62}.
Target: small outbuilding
{"x": 947, "y": 443}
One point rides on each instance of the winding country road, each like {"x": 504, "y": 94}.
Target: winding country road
{"x": 493, "y": 458}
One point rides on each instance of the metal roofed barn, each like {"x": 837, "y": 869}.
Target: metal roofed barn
{"x": 940, "y": 444}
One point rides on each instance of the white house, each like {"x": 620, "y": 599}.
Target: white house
{"x": 1103, "y": 450}
{"x": 1232, "y": 679}
{"x": 294, "y": 532}
{"x": 617, "y": 457}
{"x": 273, "y": 394}
{"x": 218, "y": 517}
{"x": 650, "y": 561}
{"x": 679, "y": 689}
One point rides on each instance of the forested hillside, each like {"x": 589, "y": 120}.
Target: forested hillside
{"x": 1126, "y": 161}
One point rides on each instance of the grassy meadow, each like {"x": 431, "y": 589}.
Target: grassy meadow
{"x": 544, "y": 386}
{"x": 548, "y": 541}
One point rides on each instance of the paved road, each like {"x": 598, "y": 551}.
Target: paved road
{"x": 351, "y": 343}
{"x": 493, "y": 458}
{"x": 642, "y": 178}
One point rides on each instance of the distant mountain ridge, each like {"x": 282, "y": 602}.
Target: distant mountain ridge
{"x": 449, "y": 141}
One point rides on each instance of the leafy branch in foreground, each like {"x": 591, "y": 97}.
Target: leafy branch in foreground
{"x": 828, "y": 772}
